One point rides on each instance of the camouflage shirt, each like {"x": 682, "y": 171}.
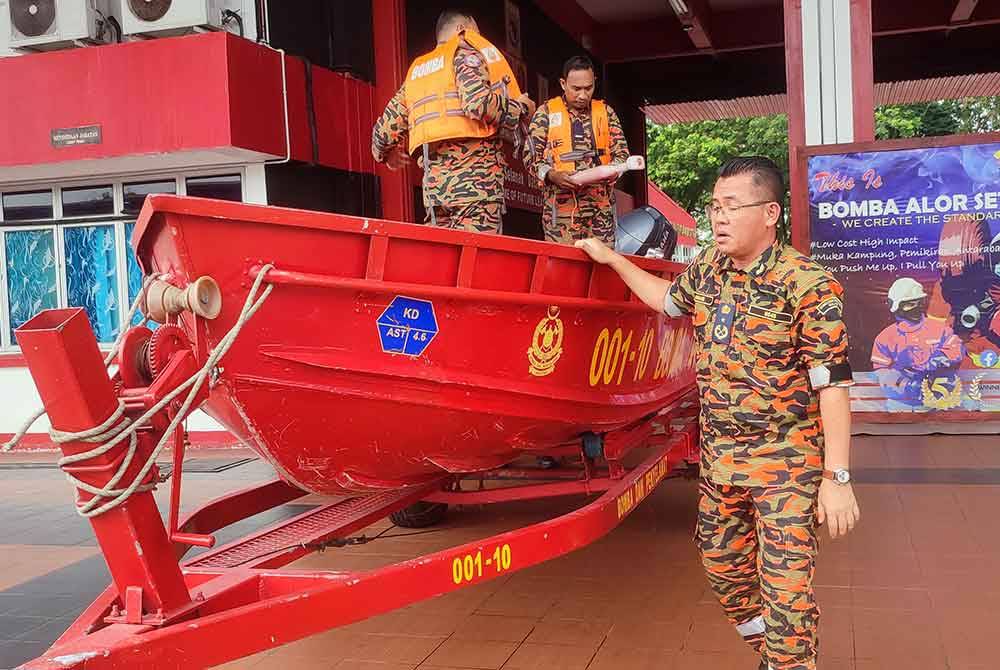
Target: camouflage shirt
{"x": 759, "y": 331}
{"x": 583, "y": 139}
{"x": 462, "y": 171}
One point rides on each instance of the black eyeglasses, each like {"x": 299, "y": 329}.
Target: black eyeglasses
{"x": 716, "y": 211}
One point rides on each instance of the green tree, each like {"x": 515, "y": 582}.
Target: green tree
{"x": 683, "y": 159}
{"x": 922, "y": 119}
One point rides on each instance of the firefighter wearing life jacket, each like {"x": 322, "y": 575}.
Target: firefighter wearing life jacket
{"x": 917, "y": 356}
{"x": 568, "y": 134}
{"x": 457, "y": 105}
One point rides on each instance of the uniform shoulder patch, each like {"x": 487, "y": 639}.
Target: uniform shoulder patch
{"x": 831, "y": 309}
{"x": 472, "y": 60}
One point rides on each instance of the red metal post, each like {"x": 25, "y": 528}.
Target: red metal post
{"x": 65, "y": 363}
{"x": 799, "y": 219}
{"x": 862, "y": 70}
{"x": 389, "y": 21}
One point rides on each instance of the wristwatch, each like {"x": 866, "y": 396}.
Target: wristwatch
{"x": 841, "y": 476}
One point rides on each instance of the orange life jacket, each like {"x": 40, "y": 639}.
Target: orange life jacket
{"x": 560, "y": 139}
{"x": 432, "y": 92}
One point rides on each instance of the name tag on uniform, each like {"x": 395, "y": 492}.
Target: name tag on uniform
{"x": 770, "y": 315}
{"x": 722, "y": 328}
{"x": 703, "y": 299}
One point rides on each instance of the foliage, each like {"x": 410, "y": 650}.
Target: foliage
{"x": 683, "y": 159}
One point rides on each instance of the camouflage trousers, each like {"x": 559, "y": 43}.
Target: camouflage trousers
{"x": 758, "y": 546}
{"x": 567, "y": 217}
{"x": 483, "y": 217}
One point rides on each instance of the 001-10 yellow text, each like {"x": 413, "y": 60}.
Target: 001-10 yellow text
{"x": 470, "y": 567}
{"x": 613, "y": 353}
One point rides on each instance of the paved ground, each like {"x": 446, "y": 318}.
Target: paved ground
{"x": 916, "y": 587}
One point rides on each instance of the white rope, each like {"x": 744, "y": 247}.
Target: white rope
{"x": 117, "y": 427}
{"x": 108, "y": 360}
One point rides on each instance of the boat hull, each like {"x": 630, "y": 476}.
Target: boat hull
{"x": 388, "y": 354}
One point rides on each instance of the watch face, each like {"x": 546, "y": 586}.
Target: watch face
{"x": 843, "y": 476}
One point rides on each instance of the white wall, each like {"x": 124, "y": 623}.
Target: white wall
{"x": 19, "y": 400}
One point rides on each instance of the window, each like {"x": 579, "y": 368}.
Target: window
{"x": 87, "y": 201}
{"x": 134, "y": 195}
{"x": 30, "y": 206}
{"x": 32, "y": 279}
{"x": 134, "y": 272}
{"x": 225, "y": 187}
{"x": 92, "y": 276}
{"x": 51, "y": 258}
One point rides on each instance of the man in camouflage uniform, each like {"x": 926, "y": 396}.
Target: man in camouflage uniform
{"x": 775, "y": 416}
{"x": 572, "y": 212}
{"x": 463, "y": 183}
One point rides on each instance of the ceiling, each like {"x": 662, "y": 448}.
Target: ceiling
{"x": 722, "y": 50}
{"x": 616, "y": 11}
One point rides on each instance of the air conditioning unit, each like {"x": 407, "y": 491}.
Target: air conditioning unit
{"x": 40, "y": 25}
{"x": 169, "y": 17}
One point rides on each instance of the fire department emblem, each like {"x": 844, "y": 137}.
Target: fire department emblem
{"x": 546, "y": 344}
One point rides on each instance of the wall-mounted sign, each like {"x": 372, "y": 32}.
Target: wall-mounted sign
{"x": 914, "y": 237}
{"x": 71, "y": 137}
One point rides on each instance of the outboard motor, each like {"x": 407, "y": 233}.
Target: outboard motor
{"x": 645, "y": 232}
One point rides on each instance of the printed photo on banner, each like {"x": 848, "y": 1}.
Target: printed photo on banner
{"x": 512, "y": 20}
{"x": 914, "y": 237}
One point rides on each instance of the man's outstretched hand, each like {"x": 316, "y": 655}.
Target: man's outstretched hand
{"x": 597, "y": 250}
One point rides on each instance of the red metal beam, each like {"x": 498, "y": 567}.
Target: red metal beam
{"x": 389, "y": 28}
{"x": 78, "y": 395}
{"x": 794, "y": 77}
{"x": 963, "y": 11}
{"x": 862, "y": 70}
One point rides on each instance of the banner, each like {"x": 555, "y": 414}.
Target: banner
{"x": 914, "y": 237}
{"x": 521, "y": 188}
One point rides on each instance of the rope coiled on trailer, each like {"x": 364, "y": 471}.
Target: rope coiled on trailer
{"x": 117, "y": 427}
{"x": 108, "y": 361}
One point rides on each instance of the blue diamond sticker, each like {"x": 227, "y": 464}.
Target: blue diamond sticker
{"x": 407, "y": 326}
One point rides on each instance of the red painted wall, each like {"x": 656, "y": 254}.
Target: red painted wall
{"x": 256, "y": 114}
{"x": 345, "y": 114}
{"x": 176, "y": 94}
{"x": 155, "y": 96}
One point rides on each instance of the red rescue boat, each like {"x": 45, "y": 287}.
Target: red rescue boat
{"x": 389, "y": 354}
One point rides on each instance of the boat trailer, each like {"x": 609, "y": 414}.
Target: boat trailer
{"x": 239, "y": 599}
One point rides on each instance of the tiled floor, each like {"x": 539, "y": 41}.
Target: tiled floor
{"x": 917, "y": 586}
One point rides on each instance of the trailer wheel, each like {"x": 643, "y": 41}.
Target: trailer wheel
{"x": 420, "y": 515}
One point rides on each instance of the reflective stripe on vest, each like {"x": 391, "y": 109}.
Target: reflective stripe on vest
{"x": 560, "y": 136}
